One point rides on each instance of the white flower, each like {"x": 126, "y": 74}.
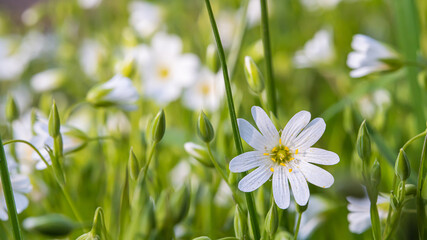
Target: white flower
{"x": 118, "y": 91}
{"x": 47, "y": 80}
{"x": 91, "y": 54}
{"x": 20, "y": 185}
{"x": 145, "y": 17}
{"x": 368, "y": 56}
{"x": 254, "y": 12}
{"x": 89, "y": 4}
{"x": 317, "y": 51}
{"x": 359, "y": 212}
{"x": 165, "y": 70}
{"x": 314, "y": 5}
{"x": 288, "y": 157}
{"x": 206, "y": 93}
{"x": 374, "y": 103}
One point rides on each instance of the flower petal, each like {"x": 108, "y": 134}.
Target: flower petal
{"x": 265, "y": 125}
{"x": 255, "y": 179}
{"x": 299, "y": 186}
{"x": 294, "y": 126}
{"x": 247, "y": 161}
{"x": 319, "y": 156}
{"x": 281, "y": 188}
{"x": 316, "y": 175}
{"x": 21, "y": 202}
{"x": 251, "y": 135}
{"x": 310, "y": 135}
{"x": 359, "y": 222}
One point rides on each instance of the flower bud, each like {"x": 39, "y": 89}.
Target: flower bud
{"x": 98, "y": 230}
{"x": 127, "y": 67}
{"x": 271, "y": 220}
{"x": 158, "y": 126}
{"x": 402, "y": 168}
{"x": 363, "y": 144}
{"x": 133, "y": 165}
{"x": 253, "y": 75}
{"x": 240, "y": 224}
{"x": 212, "y": 58}
{"x": 199, "y": 153}
{"x": 12, "y": 111}
{"x": 181, "y": 203}
{"x": 204, "y": 128}
{"x": 54, "y": 121}
{"x": 393, "y": 64}
{"x": 51, "y": 225}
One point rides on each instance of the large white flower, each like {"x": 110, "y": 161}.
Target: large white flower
{"x": 20, "y": 185}
{"x": 359, "y": 212}
{"x": 145, "y": 17}
{"x": 118, "y": 91}
{"x": 288, "y": 157}
{"x": 368, "y": 56}
{"x": 165, "y": 70}
{"x": 317, "y": 51}
{"x": 206, "y": 93}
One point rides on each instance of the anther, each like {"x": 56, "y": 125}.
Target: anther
{"x": 283, "y": 164}
{"x": 266, "y": 154}
{"x": 296, "y": 151}
{"x": 290, "y": 169}
{"x": 272, "y": 169}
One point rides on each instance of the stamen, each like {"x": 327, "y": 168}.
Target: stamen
{"x": 272, "y": 169}
{"x": 273, "y": 159}
{"x": 290, "y": 169}
{"x": 280, "y": 141}
{"x": 266, "y": 154}
{"x": 283, "y": 164}
{"x": 274, "y": 149}
{"x": 296, "y": 151}
{"x": 291, "y": 159}
{"x": 286, "y": 148}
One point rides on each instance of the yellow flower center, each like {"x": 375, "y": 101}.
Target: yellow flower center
{"x": 205, "y": 89}
{"x": 281, "y": 154}
{"x": 163, "y": 72}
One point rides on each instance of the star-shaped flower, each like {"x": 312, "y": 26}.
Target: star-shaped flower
{"x": 288, "y": 156}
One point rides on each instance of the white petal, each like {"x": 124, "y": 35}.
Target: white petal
{"x": 281, "y": 188}
{"x": 359, "y": 222}
{"x": 316, "y": 175}
{"x": 21, "y": 202}
{"x": 310, "y": 135}
{"x": 251, "y": 135}
{"x": 299, "y": 186}
{"x": 294, "y": 126}
{"x": 247, "y": 161}
{"x": 319, "y": 156}
{"x": 255, "y": 179}
{"x": 265, "y": 125}
{"x": 363, "y": 71}
{"x": 3, "y": 213}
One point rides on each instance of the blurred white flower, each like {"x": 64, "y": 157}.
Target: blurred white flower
{"x": 287, "y": 157}
{"x": 317, "y": 51}
{"x": 368, "y": 56}
{"x": 89, "y": 4}
{"x": 118, "y": 91}
{"x": 313, "y": 216}
{"x": 254, "y": 12}
{"x": 165, "y": 70}
{"x": 206, "y": 93}
{"x": 145, "y": 17}
{"x": 359, "y": 215}
{"x": 20, "y": 185}
{"x": 314, "y": 5}
{"x": 30, "y": 16}
{"x": 118, "y": 123}
{"x": 91, "y": 54}
{"x": 47, "y": 80}
{"x": 374, "y": 102}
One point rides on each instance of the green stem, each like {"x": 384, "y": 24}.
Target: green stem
{"x": 71, "y": 203}
{"x": 8, "y": 193}
{"x": 150, "y": 156}
{"x": 29, "y": 144}
{"x": 271, "y": 94}
{"x": 233, "y": 118}
{"x": 375, "y": 220}
{"x": 298, "y": 225}
{"x": 419, "y": 200}
{"x": 413, "y": 139}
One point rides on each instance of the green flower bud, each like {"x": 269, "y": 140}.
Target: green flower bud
{"x": 127, "y": 67}
{"x": 253, "y": 75}
{"x": 410, "y": 190}
{"x": 402, "y": 168}
{"x": 393, "y": 64}
{"x": 363, "y": 144}
{"x": 12, "y": 110}
{"x": 51, "y": 225}
{"x": 158, "y": 126}
{"x": 240, "y": 224}
{"x": 133, "y": 165}
{"x": 54, "y": 121}
{"x": 98, "y": 231}
{"x": 212, "y": 58}
{"x": 181, "y": 203}
{"x": 97, "y": 96}
{"x": 271, "y": 220}
{"x": 199, "y": 153}
{"x": 376, "y": 175}
{"x": 204, "y": 128}
{"x": 424, "y": 189}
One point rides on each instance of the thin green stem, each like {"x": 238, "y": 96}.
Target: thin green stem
{"x": 420, "y": 135}
{"x": 71, "y": 203}
{"x": 150, "y": 156}
{"x": 298, "y": 225}
{"x": 233, "y": 118}
{"x": 29, "y": 144}
{"x": 271, "y": 94}
{"x": 375, "y": 220}
{"x": 419, "y": 200}
{"x": 8, "y": 193}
